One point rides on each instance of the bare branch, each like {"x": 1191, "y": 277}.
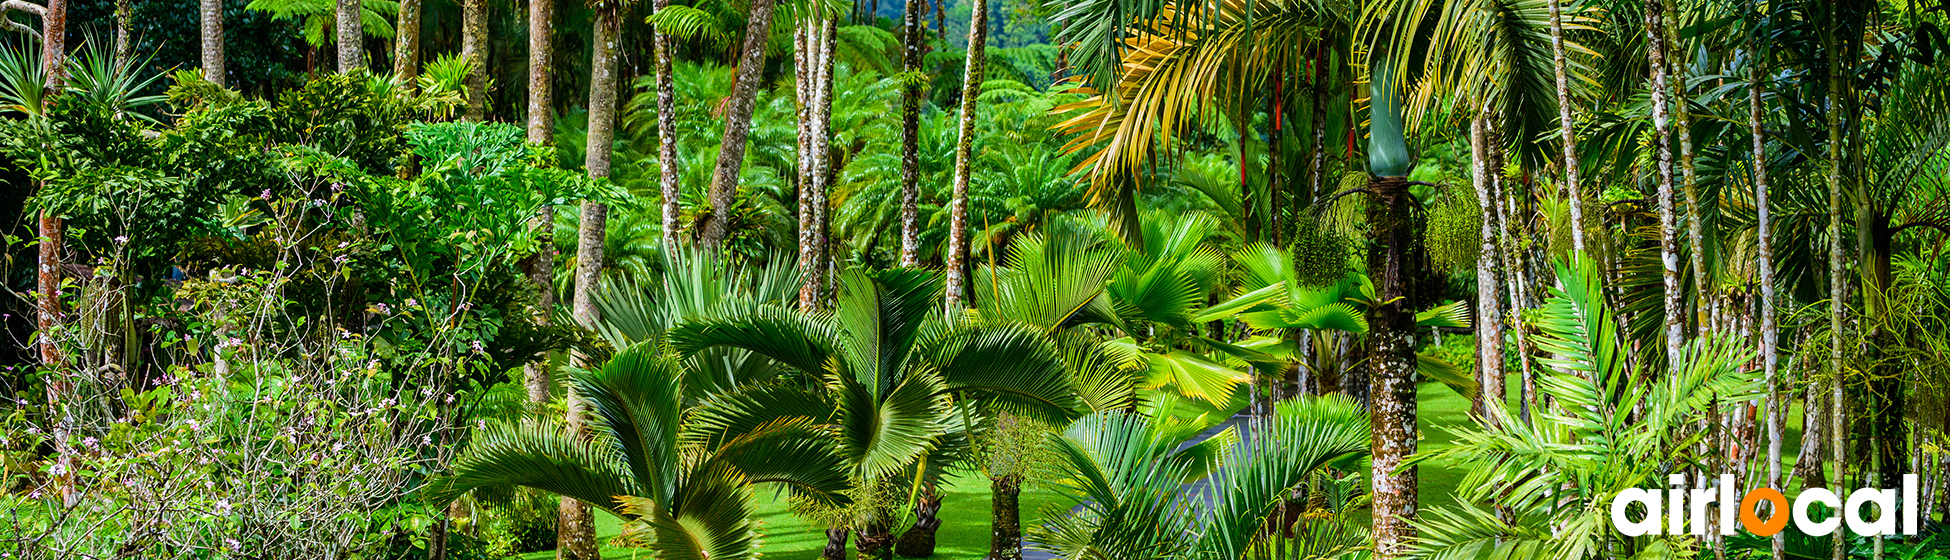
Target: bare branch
{"x": 24, "y": 6}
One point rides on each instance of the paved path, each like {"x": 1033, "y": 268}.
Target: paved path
{"x": 1199, "y": 487}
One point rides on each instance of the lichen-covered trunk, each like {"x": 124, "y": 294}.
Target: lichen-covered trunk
{"x": 971, "y": 88}
{"x": 1682, "y": 131}
{"x": 602, "y": 94}
{"x": 1837, "y": 292}
{"x": 52, "y": 243}
{"x": 912, "y": 31}
{"x": 1005, "y": 534}
{"x": 668, "y": 172}
{"x": 406, "y": 43}
{"x": 541, "y": 59}
{"x": 124, "y": 33}
{"x": 474, "y": 50}
{"x": 815, "y": 76}
{"x": 54, "y": 48}
{"x": 713, "y": 226}
{"x": 1675, "y": 304}
{"x": 1398, "y": 262}
{"x": 575, "y": 525}
{"x": 1489, "y": 282}
{"x": 918, "y": 541}
{"x": 351, "y": 36}
{"x": 1566, "y": 129}
{"x": 1764, "y": 248}
{"x": 1814, "y": 438}
{"x": 211, "y": 32}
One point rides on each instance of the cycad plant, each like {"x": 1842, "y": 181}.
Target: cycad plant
{"x": 1612, "y": 428}
{"x": 892, "y": 377}
{"x": 682, "y": 485}
{"x": 1143, "y": 488}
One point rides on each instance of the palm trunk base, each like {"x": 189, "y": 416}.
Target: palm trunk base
{"x": 918, "y": 541}
{"x": 1005, "y": 539}
{"x": 876, "y": 542}
{"x": 835, "y": 544}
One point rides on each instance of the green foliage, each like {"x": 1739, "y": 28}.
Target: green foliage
{"x": 317, "y": 18}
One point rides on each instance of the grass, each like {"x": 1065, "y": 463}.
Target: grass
{"x": 964, "y": 531}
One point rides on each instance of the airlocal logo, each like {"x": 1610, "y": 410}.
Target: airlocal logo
{"x": 1667, "y": 512}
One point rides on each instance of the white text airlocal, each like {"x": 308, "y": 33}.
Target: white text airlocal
{"x": 1682, "y": 510}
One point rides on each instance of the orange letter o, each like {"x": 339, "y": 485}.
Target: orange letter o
{"x": 1750, "y": 520}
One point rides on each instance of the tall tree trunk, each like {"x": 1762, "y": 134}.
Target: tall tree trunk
{"x": 576, "y": 528}
{"x": 1837, "y": 294}
{"x": 1764, "y": 240}
{"x": 541, "y": 59}
{"x": 1005, "y": 535}
{"x": 1814, "y": 438}
{"x": 602, "y": 94}
{"x": 474, "y": 50}
{"x": 919, "y": 541}
{"x": 53, "y": 242}
{"x": 541, "y": 272}
{"x": 1675, "y": 305}
{"x": 971, "y": 88}
{"x": 1489, "y": 283}
{"x": 212, "y": 35}
{"x": 1688, "y": 171}
{"x": 913, "y": 29}
{"x": 54, "y": 50}
{"x": 124, "y": 33}
{"x": 351, "y": 36}
{"x": 1398, "y": 263}
{"x": 1566, "y": 130}
{"x": 715, "y": 225}
{"x": 668, "y": 172}
{"x": 815, "y": 77}
{"x": 406, "y": 44}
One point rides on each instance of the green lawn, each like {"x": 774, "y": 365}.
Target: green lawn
{"x": 965, "y": 510}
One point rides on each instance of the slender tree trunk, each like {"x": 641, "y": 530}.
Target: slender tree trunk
{"x": 919, "y": 541}
{"x": 54, "y": 50}
{"x": 1764, "y": 240}
{"x": 913, "y": 29}
{"x": 1566, "y": 130}
{"x": 1489, "y": 283}
{"x": 602, "y": 95}
{"x": 714, "y": 226}
{"x": 212, "y": 35}
{"x": 816, "y": 80}
{"x": 1399, "y": 262}
{"x": 1005, "y": 536}
{"x": 474, "y": 50}
{"x": 668, "y": 172}
{"x": 1837, "y": 295}
{"x": 351, "y": 36}
{"x": 1814, "y": 438}
{"x": 406, "y": 43}
{"x": 971, "y": 88}
{"x": 541, "y": 86}
{"x": 1675, "y": 305}
{"x": 541, "y": 272}
{"x": 576, "y": 527}
{"x": 124, "y": 33}
{"x": 1683, "y": 132}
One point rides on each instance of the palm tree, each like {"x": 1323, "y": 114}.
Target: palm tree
{"x": 713, "y": 226}
{"x": 971, "y": 84}
{"x": 211, "y": 32}
{"x": 814, "y": 57}
{"x": 1567, "y": 131}
{"x": 1764, "y": 241}
{"x": 351, "y": 35}
{"x": 576, "y": 533}
{"x": 891, "y": 373}
{"x": 1661, "y": 93}
{"x": 669, "y": 174}
{"x": 681, "y": 479}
